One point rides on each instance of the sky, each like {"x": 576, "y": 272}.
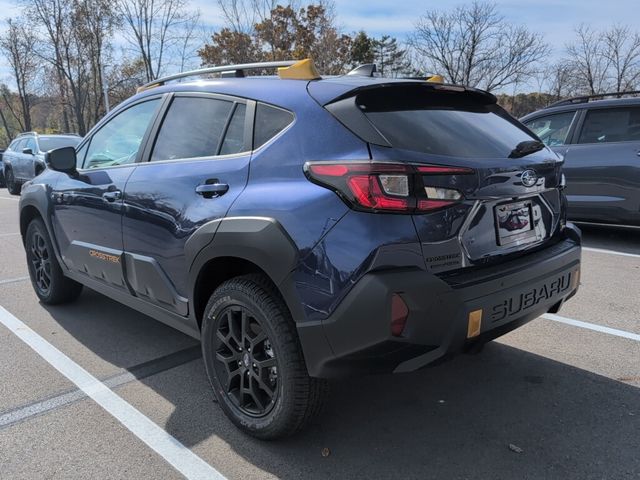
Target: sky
{"x": 554, "y": 19}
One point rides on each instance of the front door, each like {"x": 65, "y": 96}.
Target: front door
{"x": 603, "y": 167}
{"x": 197, "y": 166}
{"x": 88, "y": 206}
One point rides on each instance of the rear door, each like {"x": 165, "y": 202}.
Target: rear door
{"x": 87, "y": 215}
{"x": 197, "y": 166}
{"x": 603, "y": 166}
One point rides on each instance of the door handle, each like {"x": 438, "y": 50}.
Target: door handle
{"x": 210, "y": 190}
{"x": 112, "y": 196}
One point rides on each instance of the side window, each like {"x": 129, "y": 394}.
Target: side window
{"x": 269, "y": 122}
{"x": 18, "y": 145}
{"x": 80, "y": 155}
{"x": 552, "y": 129}
{"x": 611, "y": 125}
{"x": 234, "y": 138}
{"x": 117, "y": 142}
{"x": 192, "y": 128}
{"x": 31, "y": 143}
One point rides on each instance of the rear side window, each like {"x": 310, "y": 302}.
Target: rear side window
{"x": 552, "y": 129}
{"x": 611, "y": 125}
{"x": 192, "y": 128}
{"x": 442, "y": 123}
{"x": 269, "y": 122}
{"x": 234, "y": 138}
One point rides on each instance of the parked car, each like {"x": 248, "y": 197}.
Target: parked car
{"x": 599, "y": 138}
{"x": 24, "y": 158}
{"x": 2, "y": 184}
{"x": 306, "y": 229}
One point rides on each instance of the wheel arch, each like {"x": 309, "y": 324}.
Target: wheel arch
{"x": 27, "y": 214}
{"x": 236, "y": 246}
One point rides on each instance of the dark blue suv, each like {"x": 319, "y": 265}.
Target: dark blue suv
{"x": 307, "y": 228}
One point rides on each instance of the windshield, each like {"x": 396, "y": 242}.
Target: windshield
{"x": 51, "y": 143}
{"x": 452, "y": 124}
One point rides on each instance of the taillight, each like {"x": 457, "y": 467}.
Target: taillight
{"x": 388, "y": 187}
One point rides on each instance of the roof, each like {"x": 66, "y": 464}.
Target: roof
{"x": 294, "y": 79}
{"x": 612, "y": 102}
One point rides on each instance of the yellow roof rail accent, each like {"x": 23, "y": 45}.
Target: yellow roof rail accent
{"x": 302, "y": 70}
{"x": 435, "y": 79}
{"x": 147, "y": 87}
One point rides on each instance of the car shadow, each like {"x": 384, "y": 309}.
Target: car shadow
{"x": 504, "y": 413}
{"x": 621, "y": 239}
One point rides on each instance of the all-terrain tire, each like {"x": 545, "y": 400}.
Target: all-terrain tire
{"x": 13, "y": 186}
{"x": 253, "y": 301}
{"x": 49, "y": 283}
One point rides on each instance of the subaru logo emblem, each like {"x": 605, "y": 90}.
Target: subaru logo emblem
{"x": 529, "y": 178}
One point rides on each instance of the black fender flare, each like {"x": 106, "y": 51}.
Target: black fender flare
{"x": 38, "y": 196}
{"x": 260, "y": 240}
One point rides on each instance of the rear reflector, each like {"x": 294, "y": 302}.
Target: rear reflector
{"x": 399, "y": 314}
{"x": 475, "y": 323}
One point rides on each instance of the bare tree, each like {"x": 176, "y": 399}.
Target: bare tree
{"x": 474, "y": 45}
{"x": 154, "y": 28}
{"x": 192, "y": 36}
{"x": 18, "y": 45}
{"x": 559, "y": 81}
{"x": 587, "y": 58}
{"x": 622, "y": 51}
{"x": 95, "y": 22}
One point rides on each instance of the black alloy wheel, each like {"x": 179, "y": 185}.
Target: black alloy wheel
{"x": 40, "y": 259}
{"x": 47, "y": 278}
{"x": 245, "y": 361}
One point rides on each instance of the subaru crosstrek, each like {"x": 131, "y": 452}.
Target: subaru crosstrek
{"x": 305, "y": 228}
{"x": 25, "y": 157}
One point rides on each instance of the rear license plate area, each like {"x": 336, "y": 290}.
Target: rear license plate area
{"x": 514, "y": 223}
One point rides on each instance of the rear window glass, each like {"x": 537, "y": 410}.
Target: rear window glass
{"x": 442, "y": 123}
{"x": 611, "y": 125}
{"x": 51, "y": 143}
{"x": 269, "y": 122}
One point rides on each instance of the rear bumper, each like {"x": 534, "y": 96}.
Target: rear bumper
{"x": 358, "y": 334}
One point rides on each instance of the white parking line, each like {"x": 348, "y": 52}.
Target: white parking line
{"x": 610, "y": 252}
{"x": 592, "y": 326}
{"x": 13, "y": 280}
{"x": 9, "y": 234}
{"x": 9, "y": 198}
{"x": 175, "y": 453}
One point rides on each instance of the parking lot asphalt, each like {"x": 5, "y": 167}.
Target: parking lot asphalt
{"x": 127, "y": 397}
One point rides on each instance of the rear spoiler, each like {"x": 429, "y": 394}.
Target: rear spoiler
{"x": 342, "y": 105}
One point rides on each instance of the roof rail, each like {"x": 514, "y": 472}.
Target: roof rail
{"x": 224, "y": 70}
{"x": 588, "y": 98}
{"x": 27, "y": 133}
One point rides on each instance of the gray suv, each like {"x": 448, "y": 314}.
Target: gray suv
{"x": 599, "y": 138}
{"x": 24, "y": 158}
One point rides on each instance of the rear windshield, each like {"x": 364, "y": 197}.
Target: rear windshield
{"x": 442, "y": 123}
{"x": 51, "y": 143}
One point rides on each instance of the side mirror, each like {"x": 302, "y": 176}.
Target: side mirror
{"x": 62, "y": 159}
{"x": 27, "y": 151}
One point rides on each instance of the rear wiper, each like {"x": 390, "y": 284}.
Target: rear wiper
{"x": 525, "y": 148}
